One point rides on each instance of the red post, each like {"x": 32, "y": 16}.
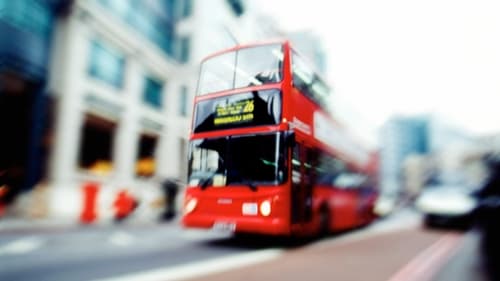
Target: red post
{"x": 89, "y": 212}
{"x": 124, "y": 204}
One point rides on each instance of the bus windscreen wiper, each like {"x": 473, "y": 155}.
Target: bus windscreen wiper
{"x": 204, "y": 182}
{"x": 252, "y": 186}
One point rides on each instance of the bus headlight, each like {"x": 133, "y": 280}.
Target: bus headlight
{"x": 265, "y": 208}
{"x": 190, "y": 205}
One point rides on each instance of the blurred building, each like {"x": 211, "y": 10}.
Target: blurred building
{"x": 462, "y": 157}
{"x": 400, "y": 137}
{"x": 485, "y": 146}
{"x": 490, "y": 143}
{"x": 417, "y": 171}
{"x": 417, "y": 151}
{"x": 101, "y": 90}
{"x": 219, "y": 24}
{"x": 449, "y": 146}
{"x": 310, "y": 46}
{"x": 26, "y": 34}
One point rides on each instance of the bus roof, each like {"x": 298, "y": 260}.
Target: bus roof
{"x": 247, "y": 45}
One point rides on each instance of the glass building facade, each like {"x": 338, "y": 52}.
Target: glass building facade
{"x": 26, "y": 28}
{"x": 31, "y": 16}
{"x": 401, "y": 137}
{"x": 156, "y": 20}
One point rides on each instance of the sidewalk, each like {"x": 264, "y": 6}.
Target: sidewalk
{"x": 10, "y": 224}
{"x": 17, "y": 224}
{"x": 53, "y": 209}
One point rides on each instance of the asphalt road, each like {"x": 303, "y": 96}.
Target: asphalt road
{"x": 396, "y": 248}
{"x": 406, "y": 253}
{"x": 90, "y": 253}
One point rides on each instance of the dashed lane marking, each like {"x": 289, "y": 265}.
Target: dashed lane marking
{"x": 121, "y": 238}
{"x": 21, "y": 246}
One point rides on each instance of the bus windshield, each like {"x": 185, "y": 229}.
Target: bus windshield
{"x": 251, "y": 66}
{"x": 234, "y": 160}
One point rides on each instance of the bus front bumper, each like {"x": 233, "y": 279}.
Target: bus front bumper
{"x": 256, "y": 225}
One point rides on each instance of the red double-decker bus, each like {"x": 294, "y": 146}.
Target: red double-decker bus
{"x": 266, "y": 156}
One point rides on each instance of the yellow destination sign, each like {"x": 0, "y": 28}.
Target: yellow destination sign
{"x": 241, "y": 111}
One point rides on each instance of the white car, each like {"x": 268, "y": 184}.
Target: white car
{"x": 447, "y": 205}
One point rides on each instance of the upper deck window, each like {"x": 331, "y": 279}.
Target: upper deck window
{"x": 308, "y": 81}
{"x": 241, "y": 68}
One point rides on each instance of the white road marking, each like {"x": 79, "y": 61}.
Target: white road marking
{"x": 194, "y": 234}
{"x": 203, "y": 267}
{"x": 427, "y": 262}
{"x": 21, "y": 246}
{"x": 121, "y": 238}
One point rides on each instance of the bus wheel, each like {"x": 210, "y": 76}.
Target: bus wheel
{"x": 324, "y": 221}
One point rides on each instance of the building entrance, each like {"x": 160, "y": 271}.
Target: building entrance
{"x": 21, "y": 138}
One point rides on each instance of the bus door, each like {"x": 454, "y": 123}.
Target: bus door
{"x": 302, "y": 183}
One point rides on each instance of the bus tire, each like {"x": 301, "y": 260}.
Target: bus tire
{"x": 324, "y": 221}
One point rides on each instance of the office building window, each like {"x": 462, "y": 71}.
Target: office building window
{"x": 152, "y": 93}
{"x": 146, "y": 162}
{"x": 237, "y": 6}
{"x": 183, "y": 101}
{"x": 187, "y": 8}
{"x": 106, "y": 64}
{"x": 96, "y": 145}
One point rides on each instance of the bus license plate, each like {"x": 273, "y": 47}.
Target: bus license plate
{"x": 249, "y": 209}
{"x": 224, "y": 226}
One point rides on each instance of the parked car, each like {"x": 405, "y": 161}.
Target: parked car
{"x": 447, "y": 205}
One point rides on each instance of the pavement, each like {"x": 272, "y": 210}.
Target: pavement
{"x": 386, "y": 251}
{"x": 31, "y": 225}
{"x": 11, "y": 224}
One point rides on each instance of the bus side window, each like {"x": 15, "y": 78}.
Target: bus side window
{"x": 301, "y": 74}
{"x": 311, "y": 165}
{"x": 328, "y": 168}
{"x": 296, "y": 176}
{"x": 309, "y": 82}
{"x": 350, "y": 180}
